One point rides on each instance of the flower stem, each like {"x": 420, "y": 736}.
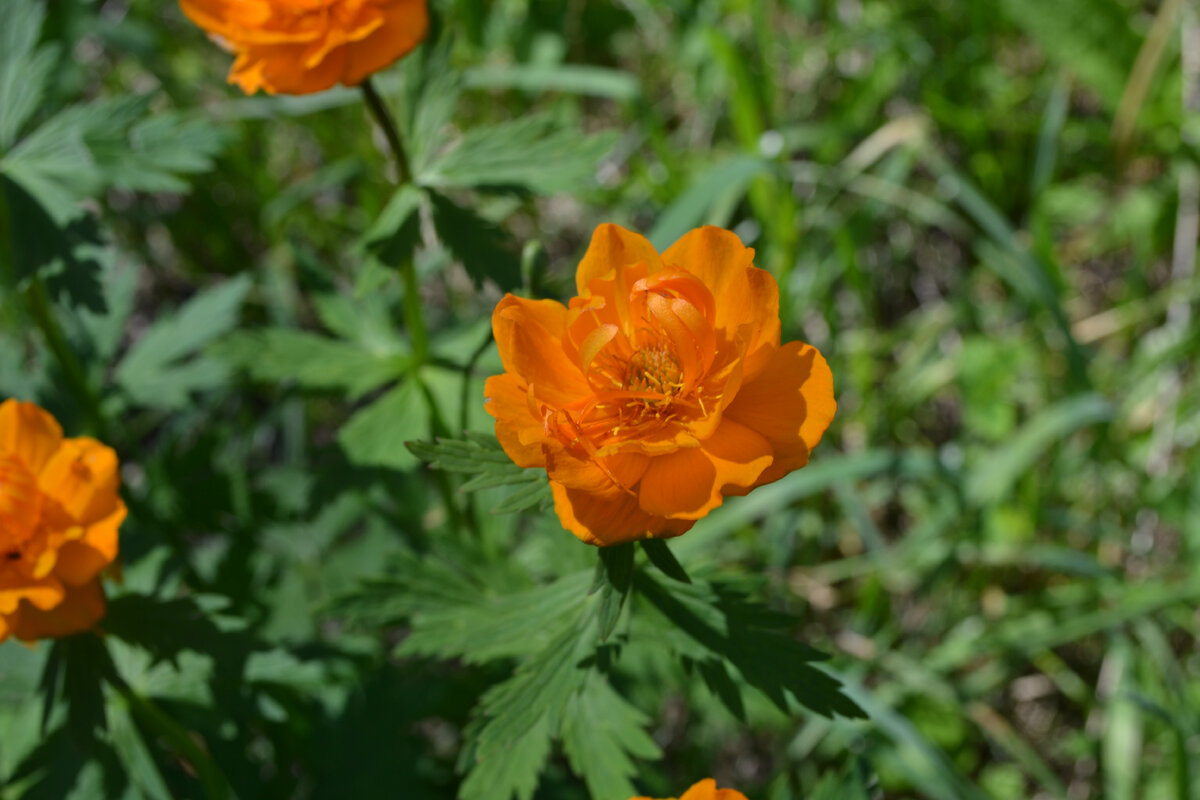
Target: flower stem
{"x": 388, "y": 125}
{"x": 414, "y": 314}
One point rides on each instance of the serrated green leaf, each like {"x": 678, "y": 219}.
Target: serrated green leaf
{"x": 23, "y": 71}
{"x": 395, "y": 233}
{"x": 614, "y": 577}
{"x": 311, "y": 360}
{"x": 375, "y": 436}
{"x": 534, "y": 153}
{"x": 485, "y": 251}
{"x": 155, "y": 372}
{"x": 601, "y": 735}
{"x": 491, "y": 627}
{"x": 513, "y": 771}
{"x": 755, "y": 643}
{"x": 481, "y": 455}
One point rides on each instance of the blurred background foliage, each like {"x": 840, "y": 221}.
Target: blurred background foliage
{"x": 983, "y": 214}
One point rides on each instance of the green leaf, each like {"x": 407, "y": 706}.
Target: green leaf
{"x": 999, "y": 471}
{"x": 535, "y": 153}
{"x": 490, "y": 627}
{"x": 754, "y": 641}
{"x": 568, "y": 78}
{"x": 601, "y": 735}
{"x": 483, "y": 248}
{"x": 311, "y": 360}
{"x": 375, "y": 436}
{"x": 1092, "y": 38}
{"x": 24, "y": 68}
{"x": 395, "y": 233}
{"x": 520, "y": 717}
{"x": 156, "y": 373}
{"x": 660, "y": 555}
{"x": 165, "y": 628}
{"x": 481, "y": 455}
{"x": 614, "y": 577}
{"x": 713, "y": 188}
{"x": 136, "y": 758}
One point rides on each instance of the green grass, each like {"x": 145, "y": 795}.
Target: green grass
{"x": 998, "y": 541}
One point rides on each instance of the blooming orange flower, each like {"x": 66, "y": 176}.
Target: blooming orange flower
{"x": 660, "y": 390}
{"x": 306, "y": 46}
{"x": 59, "y": 515}
{"x": 705, "y": 790}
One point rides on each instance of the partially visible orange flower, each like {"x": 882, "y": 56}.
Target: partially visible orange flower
{"x": 59, "y": 516}
{"x": 705, "y": 790}
{"x": 662, "y": 389}
{"x": 306, "y": 46}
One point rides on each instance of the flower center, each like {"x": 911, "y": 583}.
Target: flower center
{"x": 653, "y": 369}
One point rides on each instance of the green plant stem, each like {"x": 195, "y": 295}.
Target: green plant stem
{"x": 414, "y": 315}
{"x": 180, "y": 740}
{"x": 384, "y": 119}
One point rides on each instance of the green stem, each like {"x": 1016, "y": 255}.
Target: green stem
{"x": 414, "y": 314}
{"x": 384, "y": 119}
{"x": 180, "y": 740}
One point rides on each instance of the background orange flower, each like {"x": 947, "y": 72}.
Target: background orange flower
{"x": 59, "y": 516}
{"x": 305, "y": 46}
{"x": 705, "y": 790}
{"x": 662, "y": 389}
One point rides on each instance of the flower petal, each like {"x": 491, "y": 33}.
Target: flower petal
{"x": 529, "y": 337}
{"x": 791, "y": 403}
{"x": 82, "y": 478}
{"x": 689, "y": 483}
{"x": 29, "y": 433}
{"x": 613, "y": 247}
{"x": 744, "y": 293}
{"x": 82, "y": 560}
{"x": 81, "y": 608}
{"x": 506, "y": 397}
{"x": 405, "y": 25}
{"x": 15, "y": 586}
{"x": 610, "y": 518}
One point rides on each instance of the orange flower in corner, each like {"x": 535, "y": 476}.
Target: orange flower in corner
{"x": 661, "y": 389}
{"x": 306, "y": 46}
{"x": 59, "y": 515}
{"x": 705, "y": 790}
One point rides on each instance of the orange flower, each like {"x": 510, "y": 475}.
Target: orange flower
{"x": 705, "y": 790}
{"x": 662, "y": 388}
{"x": 59, "y": 515}
{"x": 306, "y": 46}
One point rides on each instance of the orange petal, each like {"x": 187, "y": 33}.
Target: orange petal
{"x": 82, "y": 560}
{"x": 600, "y": 475}
{"x": 29, "y": 433}
{"x": 15, "y": 586}
{"x": 790, "y": 403}
{"x": 613, "y": 247}
{"x": 744, "y": 293}
{"x": 687, "y": 484}
{"x": 704, "y": 790}
{"x": 81, "y": 608}
{"x": 520, "y": 432}
{"x": 611, "y": 518}
{"x": 82, "y": 478}
{"x": 405, "y": 24}
{"x": 529, "y": 337}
